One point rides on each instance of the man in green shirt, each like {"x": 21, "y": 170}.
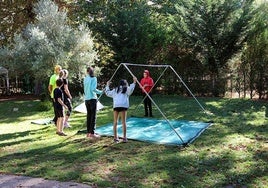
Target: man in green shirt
{"x": 52, "y": 85}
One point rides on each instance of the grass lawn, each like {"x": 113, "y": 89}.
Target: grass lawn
{"x": 233, "y": 152}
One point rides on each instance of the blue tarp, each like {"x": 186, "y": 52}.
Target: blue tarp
{"x": 158, "y": 131}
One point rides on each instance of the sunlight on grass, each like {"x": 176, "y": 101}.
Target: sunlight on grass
{"x": 232, "y": 152}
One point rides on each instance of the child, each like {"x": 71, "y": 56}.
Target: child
{"x": 58, "y": 99}
{"x": 120, "y": 97}
{"x": 52, "y": 86}
{"x": 91, "y": 91}
{"x": 147, "y": 84}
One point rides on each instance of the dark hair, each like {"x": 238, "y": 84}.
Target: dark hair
{"x": 123, "y": 84}
{"x": 61, "y": 74}
{"x": 59, "y": 82}
{"x": 90, "y": 71}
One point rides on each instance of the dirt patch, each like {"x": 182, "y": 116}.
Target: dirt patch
{"x": 9, "y": 181}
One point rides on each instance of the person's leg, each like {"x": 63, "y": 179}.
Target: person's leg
{"x": 87, "y": 103}
{"x": 124, "y": 124}
{"x": 145, "y": 102}
{"x": 60, "y": 117}
{"x": 60, "y": 120}
{"x": 57, "y": 113}
{"x": 68, "y": 113}
{"x": 116, "y": 115}
{"x": 150, "y": 106}
{"x": 93, "y": 110}
{"x": 58, "y": 125}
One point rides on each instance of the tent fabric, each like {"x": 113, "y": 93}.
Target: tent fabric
{"x": 82, "y": 107}
{"x": 41, "y": 121}
{"x": 158, "y": 131}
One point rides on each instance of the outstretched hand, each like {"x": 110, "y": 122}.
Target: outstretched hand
{"x": 134, "y": 79}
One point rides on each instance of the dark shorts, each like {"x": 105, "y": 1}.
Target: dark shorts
{"x": 120, "y": 109}
{"x": 59, "y": 113}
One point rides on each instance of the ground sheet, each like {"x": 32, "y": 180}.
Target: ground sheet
{"x": 158, "y": 131}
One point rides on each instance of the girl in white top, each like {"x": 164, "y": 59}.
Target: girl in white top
{"x": 120, "y": 96}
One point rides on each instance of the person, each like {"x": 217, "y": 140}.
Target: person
{"x": 59, "y": 104}
{"x": 91, "y": 91}
{"x": 52, "y": 86}
{"x": 120, "y": 96}
{"x": 67, "y": 97}
{"x": 147, "y": 84}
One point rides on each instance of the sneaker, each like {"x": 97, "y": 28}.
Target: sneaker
{"x": 61, "y": 134}
{"x": 125, "y": 140}
{"x": 89, "y": 135}
{"x": 116, "y": 140}
{"x": 67, "y": 125}
{"x": 52, "y": 122}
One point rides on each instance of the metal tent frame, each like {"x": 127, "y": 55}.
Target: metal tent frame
{"x": 125, "y": 65}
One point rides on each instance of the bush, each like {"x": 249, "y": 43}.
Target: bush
{"x": 44, "y": 106}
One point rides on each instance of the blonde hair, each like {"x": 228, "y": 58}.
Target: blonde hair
{"x": 56, "y": 68}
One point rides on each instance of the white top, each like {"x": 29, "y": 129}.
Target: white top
{"x": 120, "y": 99}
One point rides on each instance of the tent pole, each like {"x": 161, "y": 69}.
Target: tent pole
{"x": 110, "y": 79}
{"x": 157, "y": 107}
{"x": 152, "y": 87}
{"x": 188, "y": 89}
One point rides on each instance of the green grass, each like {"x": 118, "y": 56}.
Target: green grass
{"x": 232, "y": 152}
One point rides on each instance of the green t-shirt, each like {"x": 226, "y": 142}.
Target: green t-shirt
{"x": 52, "y": 81}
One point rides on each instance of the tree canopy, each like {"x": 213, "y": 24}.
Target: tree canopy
{"x": 205, "y": 40}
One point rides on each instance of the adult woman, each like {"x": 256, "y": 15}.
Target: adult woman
{"x": 67, "y": 97}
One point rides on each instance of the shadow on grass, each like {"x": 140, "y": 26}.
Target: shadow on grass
{"x": 208, "y": 162}
{"x": 20, "y": 137}
{"x": 14, "y": 111}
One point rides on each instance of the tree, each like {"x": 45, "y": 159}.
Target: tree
{"x": 255, "y": 53}
{"x": 214, "y": 30}
{"x": 127, "y": 27}
{"x": 50, "y": 41}
{"x": 14, "y": 16}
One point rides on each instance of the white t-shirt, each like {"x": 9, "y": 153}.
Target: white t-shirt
{"x": 120, "y": 99}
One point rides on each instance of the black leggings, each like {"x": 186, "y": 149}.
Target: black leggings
{"x": 91, "y": 106}
{"x": 147, "y": 105}
{"x": 68, "y": 103}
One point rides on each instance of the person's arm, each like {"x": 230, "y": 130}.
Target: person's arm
{"x": 66, "y": 89}
{"x": 61, "y": 102}
{"x": 131, "y": 87}
{"x": 151, "y": 83}
{"x": 94, "y": 86}
{"x": 49, "y": 89}
{"x": 108, "y": 92}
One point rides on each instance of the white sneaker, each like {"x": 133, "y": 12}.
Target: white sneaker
{"x": 67, "y": 125}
